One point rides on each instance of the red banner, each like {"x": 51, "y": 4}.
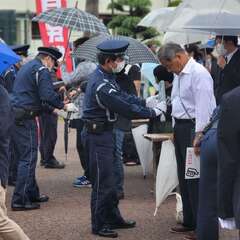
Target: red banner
{"x": 54, "y": 35}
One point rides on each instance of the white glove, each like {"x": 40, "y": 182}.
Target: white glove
{"x": 160, "y": 108}
{"x": 71, "y": 107}
{"x": 152, "y": 101}
{"x": 61, "y": 113}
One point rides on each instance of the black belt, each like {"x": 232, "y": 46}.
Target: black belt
{"x": 97, "y": 127}
{"x": 177, "y": 120}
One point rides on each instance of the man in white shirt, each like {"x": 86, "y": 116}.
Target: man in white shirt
{"x": 193, "y": 102}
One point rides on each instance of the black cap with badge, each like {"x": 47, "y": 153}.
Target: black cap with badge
{"x": 21, "y": 49}
{"x": 53, "y": 52}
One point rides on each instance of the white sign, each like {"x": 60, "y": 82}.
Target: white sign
{"x": 192, "y": 168}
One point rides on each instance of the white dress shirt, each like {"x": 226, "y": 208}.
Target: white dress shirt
{"x": 193, "y": 90}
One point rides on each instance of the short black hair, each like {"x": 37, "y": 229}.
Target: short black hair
{"x": 161, "y": 73}
{"x": 102, "y": 57}
{"x": 80, "y": 41}
{"x": 233, "y": 39}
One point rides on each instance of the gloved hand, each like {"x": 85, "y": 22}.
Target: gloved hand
{"x": 61, "y": 113}
{"x": 70, "y": 107}
{"x": 160, "y": 108}
{"x": 152, "y": 101}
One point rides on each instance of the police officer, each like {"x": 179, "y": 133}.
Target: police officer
{"x": 7, "y": 81}
{"x": 32, "y": 93}
{"x": 103, "y": 99}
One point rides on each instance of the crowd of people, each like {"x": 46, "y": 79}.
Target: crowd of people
{"x": 201, "y": 87}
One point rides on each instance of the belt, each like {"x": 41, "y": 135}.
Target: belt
{"x": 97, "y": 127}
{"x": 177, "y": 120}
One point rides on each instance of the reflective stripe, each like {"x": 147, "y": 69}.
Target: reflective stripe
{"x": 37, "y": 74}
{"x": 97, "y": 98}
{"x": 112, "y": 90}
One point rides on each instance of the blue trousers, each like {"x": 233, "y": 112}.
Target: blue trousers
{"x": 104, "y": 202}
{"x": 118, "y": 163}
{"x": 207, "y": 221}
{"x": 25, "y": 137}
{"x": 48, "y": 126}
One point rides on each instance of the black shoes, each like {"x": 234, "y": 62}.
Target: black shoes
{"x": 54, "y": 164}
{"x": 25, "y": 207}
{"x": 106, "y": 232}
{"x": 41, "y": 199}
{"x": 123, "y": 225}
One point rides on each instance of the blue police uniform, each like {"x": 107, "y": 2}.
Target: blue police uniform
{"x": 32, "y": 89}
{"x": 207, "y": 217}
{"x": 103, "y": 101}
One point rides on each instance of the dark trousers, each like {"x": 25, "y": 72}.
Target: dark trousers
{"x": 80, "y": 146}
{"x": 183, "y": 137}
{"x": 48, "y": 133}
{"x": 13, "y": 163}
{"x": 104, "y": 202}
{"x": 207, "y": 221}
{"x": 25, "y": 137}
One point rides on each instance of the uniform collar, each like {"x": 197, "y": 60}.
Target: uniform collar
{"x": 105, "y": 73}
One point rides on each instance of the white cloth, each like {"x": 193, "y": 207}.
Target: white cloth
{"x": 193, "y": 88}
{"x": 228, "y": 223}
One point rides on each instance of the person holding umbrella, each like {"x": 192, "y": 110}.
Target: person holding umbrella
{"x": 103, "y": 101}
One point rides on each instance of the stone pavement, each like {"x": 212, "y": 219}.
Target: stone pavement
{"x": 67, "y": 215}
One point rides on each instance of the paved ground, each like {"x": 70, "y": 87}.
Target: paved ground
{"x": 67, "y": 217}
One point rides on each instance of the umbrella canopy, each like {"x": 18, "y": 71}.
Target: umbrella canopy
{"x": 137, "y": 51}
{"x": 220, "y": 23}
{"x": 7, "y": 57}
{"x": 72, "y": 18}
{"x": 158, "y": 18}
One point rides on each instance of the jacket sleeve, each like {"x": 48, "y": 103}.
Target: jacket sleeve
{"x": 46, "y": 90}
{"x": 126, "y": 105}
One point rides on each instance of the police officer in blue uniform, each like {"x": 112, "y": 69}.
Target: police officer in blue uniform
{"x": 7, "y": 81}
{"x": 32, "y": 93}
{"x": 103, "y": 100}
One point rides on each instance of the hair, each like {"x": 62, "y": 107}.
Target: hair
{"x": 102, "y": 57}
{"x": 233, "y": 39}
{"x": 80, "y": 41}
{"x": 193, "y": 48}
{"x": 161, "y": 73}
{"x": 168, "y": 51}
{"x": 42, "y": 56}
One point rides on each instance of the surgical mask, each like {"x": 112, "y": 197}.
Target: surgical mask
{"x": 221, "y": 51}
{"x": 119, "y": 68}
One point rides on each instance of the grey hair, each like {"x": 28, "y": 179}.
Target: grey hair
{"x": 169, "y": 50}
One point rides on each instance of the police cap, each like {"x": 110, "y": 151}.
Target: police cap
{"x": 21, "y": 49}
{"x": 50, "y": 51}
{"x": 116, "y": 47}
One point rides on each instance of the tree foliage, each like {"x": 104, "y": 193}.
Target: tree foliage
{"x": 174, "y": 3}
{"x": 131, "y": 13}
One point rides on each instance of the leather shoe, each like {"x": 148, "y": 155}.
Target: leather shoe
{"x": 54, "y": 164}
{"x": 181, "y": 229}
{"x": 25, "y": 207}
{"x": 107, "y": 232}
{"x": 42, "y": 198}
{"x": 190, "y": 236}
{"x": 123, "y": 225}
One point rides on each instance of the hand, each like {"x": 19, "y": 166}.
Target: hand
{"x": 221, "y": 62}
{"x": 152, "y": 101}
{"x": 70, "y": 107}
{"x": 61, "y": 113}
{"x": 197, "y": 142}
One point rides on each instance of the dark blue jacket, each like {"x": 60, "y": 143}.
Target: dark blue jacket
{"x": 33, "y": 86}
{"x": 103, "y": 99}
{"x": 9, "y": 77}
{"x": 6, "y": 120}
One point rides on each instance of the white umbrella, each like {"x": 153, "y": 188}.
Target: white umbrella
{"x": 144, "y": 148}
{"x": 158, "y": 18}
{"x": 184, "y": 38}
{"x": 220, "y": 23}
{"x": 188, "y": 9}
{"x": 167, "y": 179}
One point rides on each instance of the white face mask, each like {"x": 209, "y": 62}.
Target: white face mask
{"x": 221, "y": 51}
{"x": 119, "y": 68}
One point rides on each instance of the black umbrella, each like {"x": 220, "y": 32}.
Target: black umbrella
{"x": 137, "y": 51}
